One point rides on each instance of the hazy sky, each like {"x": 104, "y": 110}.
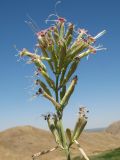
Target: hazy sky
{"x": 98, "y": 86}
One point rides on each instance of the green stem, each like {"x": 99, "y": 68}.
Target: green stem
{"x": 68, "y": 155}
{"x": 67, "y": 151}
{"x": 62, "y": 132}
{"x": 56, "y": 90}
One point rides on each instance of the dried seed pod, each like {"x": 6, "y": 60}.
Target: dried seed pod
{"x": 69, "y": 92}
{"x": 43, "y": 86}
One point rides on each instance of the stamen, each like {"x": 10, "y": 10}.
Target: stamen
{"x": 83, "y": 31}
{"x": 51, "y": 15}
{"x": 58, "y": 2}
{"x": 33, "y": 22}
{"x": 99, "y": 48}
{"x": 100, "y": 34}
{"x": 32, "y": 27}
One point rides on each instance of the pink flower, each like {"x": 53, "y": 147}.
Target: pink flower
{"x": 61, "y": 20}
{"x": 92, "y": 49}
{"x": 42, "y": 33}
{"x": 82, "y": 31}
{"x": 52, "y": 28}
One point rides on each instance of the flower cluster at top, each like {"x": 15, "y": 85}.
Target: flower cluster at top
{"x": 62, "y": 47}
{"x": 56, "y": 34}
{"x": 61, "y": 44}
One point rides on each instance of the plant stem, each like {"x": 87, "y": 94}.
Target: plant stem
{"x": 68, "y": 155}
{"x": 67, "y": 152}
{"x": 64, "y": 141}
{"x": 56, "y": 91}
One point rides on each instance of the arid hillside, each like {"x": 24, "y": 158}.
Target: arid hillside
{"x": 114, "y": 128}
{"x": 20, "y": 143}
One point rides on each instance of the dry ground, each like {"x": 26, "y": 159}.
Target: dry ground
{"x": 20, "y": 143}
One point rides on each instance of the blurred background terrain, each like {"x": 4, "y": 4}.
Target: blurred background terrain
{"x": 21, "y": 142}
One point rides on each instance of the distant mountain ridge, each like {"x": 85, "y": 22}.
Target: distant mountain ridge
{"x": 95, "y": 129}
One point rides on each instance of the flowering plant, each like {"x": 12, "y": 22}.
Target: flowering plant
{"x": 61, "y": 50}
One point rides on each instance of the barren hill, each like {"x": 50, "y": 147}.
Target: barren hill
{"x": 114, "y": 128}
{"x": 21, "y": 142}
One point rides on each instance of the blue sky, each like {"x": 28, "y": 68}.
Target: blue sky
{"x": 98, "y": 87}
